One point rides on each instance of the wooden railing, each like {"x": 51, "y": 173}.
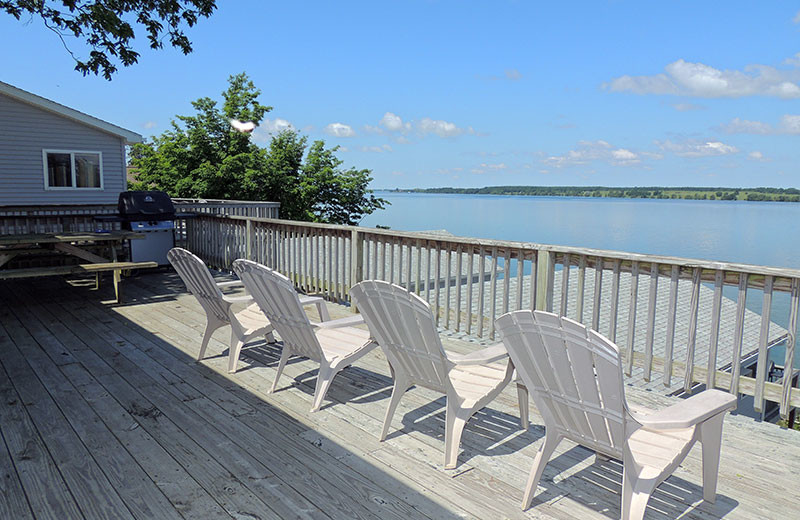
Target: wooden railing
{"x": 20, "y": 220}
{"x": 679, "y": 322}
{"x": 242, "y": 208}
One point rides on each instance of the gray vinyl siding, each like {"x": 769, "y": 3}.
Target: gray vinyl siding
{"x": 26, "y": 130}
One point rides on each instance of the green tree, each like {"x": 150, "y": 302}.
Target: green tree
{"x": 107, "y": 27}
{"x": 202, "y": 156}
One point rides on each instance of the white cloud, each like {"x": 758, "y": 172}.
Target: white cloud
{"x": 756, "y": 156}
{"x": 440, "y": 128}
{"x": 150, "y": 124}
{"x": 513, "y": 75}
{"x": 686, "y": 107}
{"x": 694, "y": 148}
{"x": 590, "y": 151}
{"x": 269, "y": 127}
{"x": 486, "y": 167}
{"x": 340, "y": 130}
{"x": 377, "y": 149}
{"x": 789, "y": 124}
{"x": 743, "y": 126}
{"x": 394, "y": 123}
{"x": 796, "y": 18}
{"x": 697, "y": 79}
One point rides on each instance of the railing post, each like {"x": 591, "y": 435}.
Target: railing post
{"x": 543, "y": 263}
{"x": 248, "y": 244}
{"x": 356, "y": 260}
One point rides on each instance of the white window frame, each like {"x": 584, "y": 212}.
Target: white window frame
{"x": 72, "y": 154}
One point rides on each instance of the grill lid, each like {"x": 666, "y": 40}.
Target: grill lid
{"x": 145, "y": 205}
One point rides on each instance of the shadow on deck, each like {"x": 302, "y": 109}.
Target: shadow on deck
{"x": 106, "y": 414}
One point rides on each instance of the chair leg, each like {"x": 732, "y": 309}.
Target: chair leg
{"x": 400, "y": 388}
{"x": 711, "y": 439}
{"x": 456, "y": 420}
{"x": 236, "y": 349}
{"x": 542, "y": 458}
{"x": 324, "y": 379}
{"x": 270, "y": 337}
{"x": 635, "y": 494}
{"x": 286, "y": 353}
{"x": 211, "y": 326}
{"x": 522, "y": 397}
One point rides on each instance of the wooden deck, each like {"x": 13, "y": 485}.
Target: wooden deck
{"x": 105, "y": 414}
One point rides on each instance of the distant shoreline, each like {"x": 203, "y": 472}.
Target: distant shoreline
{"x": 654, "y": 192}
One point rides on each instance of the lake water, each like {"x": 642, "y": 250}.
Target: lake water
{"x": 762, "y": 233}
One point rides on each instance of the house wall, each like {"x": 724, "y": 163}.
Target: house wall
{"x": 26, "y": 130}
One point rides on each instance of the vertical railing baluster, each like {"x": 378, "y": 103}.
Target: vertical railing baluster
{"x": 551, "y": 278}
{"x": 408, "y": 265}
{"x": 391, "y": 261}
{"x": 520, "y": 273}
{"x": 438, "y": 281}
{"x": 688, "y": 379}
{"x": 506, "y": 279}
{"x": 629, "y": 346}
{"x": 651, "y": 321}
{"x": 534, "y": 278}
{"x": 598, "y": 293}
{"x": 428, "y": 271}
{"x": 612, "y": 326}
{"x": 788, "y": 365}
{"x": 763, "y": 341}
{"x": 470, "y": 275}
{"x": 447, "y": 276}
{"x": 672, "y": 312}
{"x": 713, "y": 342}
{"x": 418, "y": 278}
{"x": 738, "y": 333}
{"x": 493, "y": 291}
{"x": 581, "y": 289}
{"x": 565, "y": 285}
{"x": 481, "y": 288}
{"x": 459, "y": 281}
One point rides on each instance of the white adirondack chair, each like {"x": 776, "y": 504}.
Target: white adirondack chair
{"x": 575, "y": 375}
{"x": 403, "y": 325}
{"x": 334, "y": 344}
{"x": 245, "y": 324}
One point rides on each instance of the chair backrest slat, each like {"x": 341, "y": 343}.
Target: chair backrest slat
{"x": 199, "y": 281}
{"x": 403, "y": 325}
{"x": 279, "y": 301}
{"x": 574, "y": 374}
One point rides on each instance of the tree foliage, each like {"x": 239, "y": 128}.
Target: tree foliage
{"x": 107, "y": 27}
{"x": 202, "y": 156}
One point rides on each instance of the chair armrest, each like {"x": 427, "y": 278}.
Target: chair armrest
{"x": 483, "y": 356}
{"x": 690, "y": 412}
{"x": 309, "y": 300}
{"x": 349, "y": 321}
{"x": 237, "y": 299}
{"x": 232, "y": 283}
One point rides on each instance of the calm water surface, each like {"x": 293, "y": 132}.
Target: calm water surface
{"x": 762, "y": 233}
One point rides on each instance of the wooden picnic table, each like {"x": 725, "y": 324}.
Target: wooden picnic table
{"x": 73, "y": 244}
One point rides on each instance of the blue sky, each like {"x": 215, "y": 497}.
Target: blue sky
{"x": 446, "y": 93}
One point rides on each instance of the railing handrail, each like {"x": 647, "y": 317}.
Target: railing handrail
{"x": 225, "y": 202}
{"x": 641, "y": 258}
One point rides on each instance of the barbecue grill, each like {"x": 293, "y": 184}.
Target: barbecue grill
{"x": 152, "y": 214}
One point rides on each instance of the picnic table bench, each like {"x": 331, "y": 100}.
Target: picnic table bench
{"x": 72, "y": 244}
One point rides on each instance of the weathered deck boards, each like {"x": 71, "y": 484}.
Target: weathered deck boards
{"x": 105, "y": 414}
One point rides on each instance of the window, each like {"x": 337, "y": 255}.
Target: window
{"x": 73, "y": 170}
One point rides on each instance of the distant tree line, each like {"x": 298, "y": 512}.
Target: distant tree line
{"x": 652, "y": 192}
